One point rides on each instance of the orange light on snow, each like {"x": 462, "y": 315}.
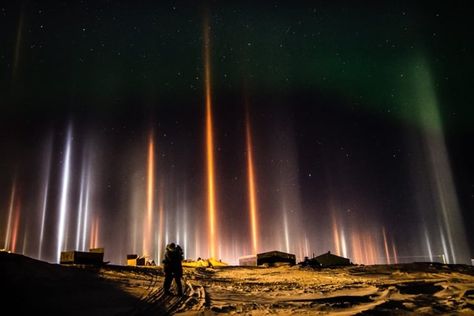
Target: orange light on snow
{"x": 211, "y": 199}
{"x": 252, "y": 189}
{"x": 147, "y": 225}
{"x": 335, "y": 233}
{"x": 94, "y": 234}
{"x": 385, "y": 245}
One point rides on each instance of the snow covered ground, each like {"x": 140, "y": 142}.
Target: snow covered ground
{"x": 418, "y": 288}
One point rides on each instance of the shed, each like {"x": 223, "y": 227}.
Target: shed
{"x": 81, "y": 257}
{"x": 275, "y": 256}
{"x": 250, "y": 260}
{"x": 329, "y": 260}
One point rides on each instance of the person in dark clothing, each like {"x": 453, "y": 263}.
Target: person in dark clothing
{"x": 173, "y": 268}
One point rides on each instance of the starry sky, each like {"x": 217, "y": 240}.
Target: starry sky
{"x": 343, "y": 101}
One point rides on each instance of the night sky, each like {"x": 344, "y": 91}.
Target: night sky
{"x": 360, "y": 119}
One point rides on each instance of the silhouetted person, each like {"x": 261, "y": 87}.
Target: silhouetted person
{"x": 173, "y": 268}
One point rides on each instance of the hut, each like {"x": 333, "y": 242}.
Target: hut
{"x": 275, "y": 257}
{"x": 329, "y": 260}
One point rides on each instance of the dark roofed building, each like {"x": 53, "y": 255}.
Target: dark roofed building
{"x": 82, "y": 257}
{"x": 329, "y": 260}
{"x": 273, "y": 257}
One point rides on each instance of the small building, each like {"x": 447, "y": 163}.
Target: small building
{"x": 250, "y": 260}
{"x": 82, "y": 257}
{"x": 329, "y": 260}
{"x": 273, "y": 257}
{"x": 98, "y": 250}
{"x": 135, "y": 260}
